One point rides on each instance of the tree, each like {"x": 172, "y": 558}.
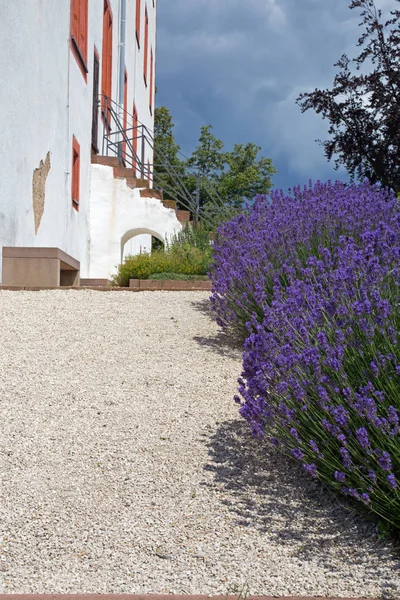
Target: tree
{"x": 244, "y": 175}
{"x": 364, "y": 109}
{"x": 228, "y": 178}
{"x": 211, "y": 181}
{"x": 204, "y": 167}
{"x": 168, "y": 168}
{"x": 208, "y": 157}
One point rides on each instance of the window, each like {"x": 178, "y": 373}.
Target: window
{"x": 79, "y": 33}
{"x": 146, "y": 45}
{"x": 76, "y": 167}
{"x": 125, "y": 113}
{"x": 135, "y": 133}
{"x": 151, "y": 81}
{"x": 138, "y": 22}
{"x": 106, "y": 67}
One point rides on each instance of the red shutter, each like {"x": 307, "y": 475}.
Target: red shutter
{"x": 83, "y": 25}
{"x": 138, "y": 21}
{"x": 146, "y": 46}
{"x": 75, "y": 14}
{"x": 106, "y": 72}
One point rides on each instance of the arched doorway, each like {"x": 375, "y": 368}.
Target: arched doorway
{"x": 138, "y": 241}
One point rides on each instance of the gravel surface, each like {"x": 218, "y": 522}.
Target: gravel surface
{"x": 124, "y": 467}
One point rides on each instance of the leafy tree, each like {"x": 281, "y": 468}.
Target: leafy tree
{"x": 168, "y": 168}
{"x": 245, "y": 175}
{"x": 212, "y": 181}
{"x": 228, "y": 178}
{"x": 205, "y": 166}
{"x": 208, "y": 157}
{"x": 364, "y": 109}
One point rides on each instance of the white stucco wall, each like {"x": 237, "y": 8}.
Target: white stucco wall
{"x": 139, "y": 244}
{"x": 118, "y": 213}
{"x": 45, "y": 101}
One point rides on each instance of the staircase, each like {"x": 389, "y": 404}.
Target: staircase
{"x": 126, "y": 143}
{"x": 133, "y": 182}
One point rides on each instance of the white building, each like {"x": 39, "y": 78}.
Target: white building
{"x": 58, "y": 57}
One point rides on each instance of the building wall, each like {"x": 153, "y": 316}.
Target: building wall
{"x": 118, "y": 214}
{"x": 44, "y": 102}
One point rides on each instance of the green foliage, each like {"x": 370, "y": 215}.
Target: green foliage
{"x": 216, "y": 181}
{"x": 245, "y": 175}
{"x": 208, "y": 157}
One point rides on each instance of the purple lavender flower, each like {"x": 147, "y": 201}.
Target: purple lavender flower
{"x": 391, "y": 479}
{"x": 374, "y": 369}
{"x": 362, "y": 437}
{"x": 340, "y": 476}
{"x": 346, "y": 458}
{"x": 293, "y": 433}
{"x": 297, "y": 453}
{"x": 311, "y": 469}
{"x": 385, "y": 462}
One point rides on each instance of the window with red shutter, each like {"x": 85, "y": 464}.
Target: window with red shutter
{"x": 146, "y": 46}
{"x": 106, "y": 67}
{"x": 138, "y": 22}
{"x": 79, "y": 33}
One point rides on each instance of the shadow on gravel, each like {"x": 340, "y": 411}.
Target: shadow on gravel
{"x": 221, "y": 343}
{"x": 271, "y": 493}
{"x": 203, "y": 306}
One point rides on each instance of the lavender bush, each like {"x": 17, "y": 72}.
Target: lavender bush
{"x": 313, "y": 281}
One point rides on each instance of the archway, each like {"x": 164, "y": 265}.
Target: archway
{"x": 144, "y": 236}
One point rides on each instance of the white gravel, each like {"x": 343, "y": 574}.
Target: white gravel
{"x": 124, "y": 467}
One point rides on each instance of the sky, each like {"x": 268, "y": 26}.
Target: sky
{"x": 239, "y": 66}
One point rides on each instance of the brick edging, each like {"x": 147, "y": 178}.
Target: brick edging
{"x": 170, "y": 284}
{"x": 161, "y": 597}
{"x": 98, "y": 288}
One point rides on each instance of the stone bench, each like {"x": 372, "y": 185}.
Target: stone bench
{"x": 44, "y": 267}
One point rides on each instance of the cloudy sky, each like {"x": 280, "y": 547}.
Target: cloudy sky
{"x": 240, "y": 66}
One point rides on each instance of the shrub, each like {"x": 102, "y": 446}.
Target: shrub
{"x": 188, "y": 253}
{"x": 314, "y": 281}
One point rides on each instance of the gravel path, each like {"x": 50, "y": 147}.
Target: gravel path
{"x": 124, "y": 467}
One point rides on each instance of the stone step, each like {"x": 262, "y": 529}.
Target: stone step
{"x": 169, "y": 204}
{"x": 107, "y": 161}
{"x": 151, "y": 193}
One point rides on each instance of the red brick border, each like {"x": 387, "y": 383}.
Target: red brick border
{"x": 170, "y": 284}
{"x": 158, "y": 597}
{"x": 110, "y": 288}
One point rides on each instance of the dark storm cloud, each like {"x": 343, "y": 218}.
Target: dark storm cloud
{"x": 240, "y": 67}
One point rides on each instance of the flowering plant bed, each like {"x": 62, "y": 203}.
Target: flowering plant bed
{"x": 312, "y": 283}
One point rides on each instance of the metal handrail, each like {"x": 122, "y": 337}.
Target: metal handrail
{"x": 121, "y": 138}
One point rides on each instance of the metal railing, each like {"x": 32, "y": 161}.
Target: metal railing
{"x": 131, "y": 141}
